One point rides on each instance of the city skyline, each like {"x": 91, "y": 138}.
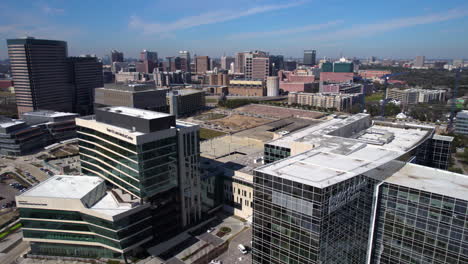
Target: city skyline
{"x": 215, "y": 28}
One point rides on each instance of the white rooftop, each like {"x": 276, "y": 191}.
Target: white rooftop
{"x": 64, "y": 186}
{"x": 50, "y": 113}
{"x": 431, "y": 180}
{"x": 134, "y": 112}
{"x": 10, "y": 122}
{"x": 331, "y": 159}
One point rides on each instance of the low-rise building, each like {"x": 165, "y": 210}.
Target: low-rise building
{"x": 337, "y": 101}
{"x": 414, "y": 96}
{"x": 247, "y": 87}
{"x": 58, "y": 126}
{"x": 142, "y": 96}
{"x": 186, "y": 101}
{"x": 461, "y": 124}
{"x": 77, "y": 216}
{"x": 18, "y": 138}
{"x": 126, "y": 77}
{"x": 341, "y": 88}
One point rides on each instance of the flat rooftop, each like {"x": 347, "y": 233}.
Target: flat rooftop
{"x": 431, "y": 180}
{"x": 332, "y": 159}
{"x": 8, "y": 122}
{"x": 50, "y": 114}
{"x": 186, "y": 91}
{"x": 134, "y": 112}
{"x": 64, "y": 186}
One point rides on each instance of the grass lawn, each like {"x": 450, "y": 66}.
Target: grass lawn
{"x": 375, "y": 97}
{"x": 10, "y": 230}
{"x": 209, "y": 133}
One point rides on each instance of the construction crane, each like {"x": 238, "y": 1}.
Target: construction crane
{"x": 385, "y": 100}
{"x": 454, "y": 98}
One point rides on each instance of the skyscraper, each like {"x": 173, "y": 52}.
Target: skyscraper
{"x": 202, "y": 64}
{"x": 239, "y": 66}
{"x": 309, "y": 57}
{"x": 40, "y": 72}
{"x": 117, "y": 56}
{"x": 185, "y": 60}
{"x": 226, "y": 62}
{"x": 149, "y": 56}
{"x": 419, "y": 61}
{"x": 149, "y": 156}
{"x": 86, "y": 75}
{"x": 256, "y": 65}
{"x": 276, "y": 64}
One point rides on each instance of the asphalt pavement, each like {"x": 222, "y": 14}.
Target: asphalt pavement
{"x": 233, "y": 255}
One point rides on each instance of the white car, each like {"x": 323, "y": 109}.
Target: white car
{"x": 216, "y": 262}
{"x": 242, "y": 249}
{"x": 211, "y": 229}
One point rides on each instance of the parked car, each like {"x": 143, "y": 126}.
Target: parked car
{"x": 242, "y": 249}
{"x": 211, "y": 229}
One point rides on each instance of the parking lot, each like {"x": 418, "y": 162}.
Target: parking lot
{"x": 7, "y": 193}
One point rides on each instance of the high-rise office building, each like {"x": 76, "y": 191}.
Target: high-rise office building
{"x": 239, "y": 66}
{"x": 226, "y": 62}
{"x": 117, "y": 56}
{"x": 149, "y": 156}
{"x": 86, "y": 75}
{"x": 185, "y": 60}
{"x": 461, "y": 124}
{"x": 256, "y": 65}
{"x": 309, "y": 57}
{"x": 343, "y": 192}
{"x": 276, "y": 64}
{"x": 149, "y": 56}
{"x": 40, "y": 72}
{"x": 202, "y": 64}
{"x": 419, "y": 61}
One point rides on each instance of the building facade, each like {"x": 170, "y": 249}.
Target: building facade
{"x": 40, "y": 72}
{"x": 337, "y": 101}
{"x": 18, "y": 138}
{"x": 247, "y": 88}
{"x": 461, "y": 123}
{"x": 309, "y": 57}
{"x": 202, "y": 64}
{"x": 184, "y": 102}
{"x": 56, "y": 126}
{"x": 117, "y": 56}
{"x": 78, "y": 216}
{"x": 149, "y": 156}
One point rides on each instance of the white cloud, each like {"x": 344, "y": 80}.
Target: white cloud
{"x": 52, "y": 10}
{"x": 204, "y": 19}
{"x": 389, "y": 25}
{"x": 281, "y": 32}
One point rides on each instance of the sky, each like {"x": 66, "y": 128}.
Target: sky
{"x": 386, "y": 29}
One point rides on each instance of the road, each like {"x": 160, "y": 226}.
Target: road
{"x": 233, "y": 255}
{"x": 14, "y": 254}
{"x": 25, "y": 166}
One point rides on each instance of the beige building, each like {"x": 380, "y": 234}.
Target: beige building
{"x": 338, "y": 101}
{"x": 183, "y": 102}
{"x": 247, "y": 88}
{"x": 414, "y": 96}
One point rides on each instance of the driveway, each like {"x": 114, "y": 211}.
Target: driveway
{"x": 233, "y": 255}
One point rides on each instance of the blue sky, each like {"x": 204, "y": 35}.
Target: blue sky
{"x": 389, "y": 29}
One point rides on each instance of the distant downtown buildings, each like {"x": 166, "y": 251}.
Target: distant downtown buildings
{"x": 46, "y": 79}
{"x": 343, "y": 192}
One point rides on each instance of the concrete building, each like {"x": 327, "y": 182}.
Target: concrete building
{"x": 86, "y": 75}
{"x": 226, "y": 62}
{"x": 415, "y": 96}
{"x": 273, "y": 86}
{"x": 247, "y": 88}
{"x": 185, "y": 60}
{"x": 341, "y": 88}
{"x": 240, "y": 62}
{"x": 290, "y": 65}
{"x": 256, "y": 65}
{"x": 218, "y": 79}
{"x": 336, "y": 77}
{"x": 461, "y": 123}
{"x": 185, "y": 102}
{"x": 168, "y": 79}
{"x": 117, "y": 56}
{"x": 338, "y": 101}
{"x": 40, "y": 72}
{"x": 326, "y": 199}
{"x": 202, "y": 64}
{"x": 142, "y": 96}
{"x": 374, "y": 75}
{"x": 56, "y": 126}
{"x": 150, "y": 157}
{"x": 127, "y": 77}
{"x": 18, "y": 138}
{"x": 309, "y": 57}
{"x": 419, "y": 61}
{"x": 77, "y": 216}
{"x": 298, "y": 80}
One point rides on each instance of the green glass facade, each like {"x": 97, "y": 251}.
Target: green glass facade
{"x": 143, "y": 170}
{"x": 52, "y": 225}
{"x": 273, "y": 153}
